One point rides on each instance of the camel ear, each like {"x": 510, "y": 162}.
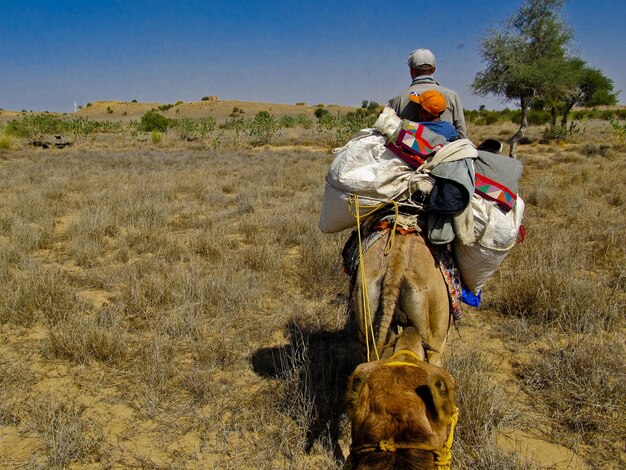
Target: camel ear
{"x": 442, "y": 391}
{"x": 356, "y": 382}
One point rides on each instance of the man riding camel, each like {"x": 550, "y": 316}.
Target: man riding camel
{"x": 422, "y": 66}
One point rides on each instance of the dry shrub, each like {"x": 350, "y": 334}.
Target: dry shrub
{"x": 319, "y": 268}
{"x": 84, "y": 339}
{"x": 544, "y": 283}
{"x": 200, "y": 382}
{"x": 484, "y": 408}
{"x": 291, "y": 230}
{"x": 218, "y": 348}
{"x": 156, "y": 295}
{"x": 154, "y": 371}
{"x": 264, "y": 258}
{"x": 30, "y": 236}
{"x": 569, "y": 273}
{"x": 87, "y": 236}
{"x": 152, "y": 285}
{"x": 208, "y": 245}
{"x": 585, "y": 396}
{"x": 15, "y": 377}
{"x": 37, "y": 292}
{"x": 313, "y": 370}
{"x": 67, "y": 436}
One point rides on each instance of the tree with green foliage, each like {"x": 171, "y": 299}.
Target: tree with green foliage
{"x": 320, "y": 113}
{"x": 524, "y": 61}
{"x": 153, "y": 121}
{"x": 263, "y": 128}
{"x": 591, "y": 88}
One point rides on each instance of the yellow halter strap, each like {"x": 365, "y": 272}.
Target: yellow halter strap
{"x": 443, "y": 456}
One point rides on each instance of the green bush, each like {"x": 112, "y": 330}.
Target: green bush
{"x": 107, "y": 127}
{"x": 618, "y": 131}
{"x": 238, "y": 126}
{"x": 287, "y": 121}
{"x": 235, "y": 124}
{"x": 352, "y": 123}
{"x": 263, "y": 128}
{"x": 79, "y": 128}
{"x": 304, "y": 121}
{"x": 5, "y": 142}
{"x": 535, "y": 117}
{"x": 559, "y": 132}
{"x": 321, "y": 113}
{"x": 156, "y": 137}
{"x": 35, "y": 126}
{"x": 328, "y": 121}
{"x": 153, "y": 121}
{"x": 194, "y": 129}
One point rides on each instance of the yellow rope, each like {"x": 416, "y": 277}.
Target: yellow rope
{"x": 443, "y": 457}
{"x": 392, "y": 235}
{"x": 355, "y": 208}
{"x": 406, "y": 352}
{"x": 368, "y": 321}
{"x": 400, "y": 363}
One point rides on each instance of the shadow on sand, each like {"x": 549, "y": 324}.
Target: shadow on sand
{"x": 315, "y": 366}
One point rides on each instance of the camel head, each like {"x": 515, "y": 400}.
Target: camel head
{"x": 403, "y": 413}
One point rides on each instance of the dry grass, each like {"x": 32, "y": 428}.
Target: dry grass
{"x": 570, "y": 274}
{"x": 170, "y": 306}
{"x": 66, "y": 434}
{"x": 585, "y": 398}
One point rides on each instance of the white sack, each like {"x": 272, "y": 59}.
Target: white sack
{"x": 364, "y": 166}
{"x": 388, "y": 122}
{"x": 336, "y": 214}
{"x": 496, "y": 233}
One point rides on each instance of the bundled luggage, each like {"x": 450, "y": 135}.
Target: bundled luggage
{"x": 469, "y": 198}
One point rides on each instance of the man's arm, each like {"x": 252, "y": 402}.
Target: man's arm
{"x": 458, "y": 118}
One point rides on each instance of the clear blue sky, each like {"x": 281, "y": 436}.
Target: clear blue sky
{"x": 57, "y": 52}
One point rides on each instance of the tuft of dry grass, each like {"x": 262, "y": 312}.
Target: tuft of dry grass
{"x": 485, "y": 407}
{"x": 81, "y": 340}
{"x": 36, "y": 293}
{"x": 585, "y": 397}
{"x": 68, "y": 436}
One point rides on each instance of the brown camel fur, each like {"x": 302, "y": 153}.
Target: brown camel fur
{"x": 401, "y": 398}
{"x": 407, "y": 288}
{"x": 410, "y": 404}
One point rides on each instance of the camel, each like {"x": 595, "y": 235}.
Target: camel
{"x": 405, "y": 288}
{"x": 401, "y": 404}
